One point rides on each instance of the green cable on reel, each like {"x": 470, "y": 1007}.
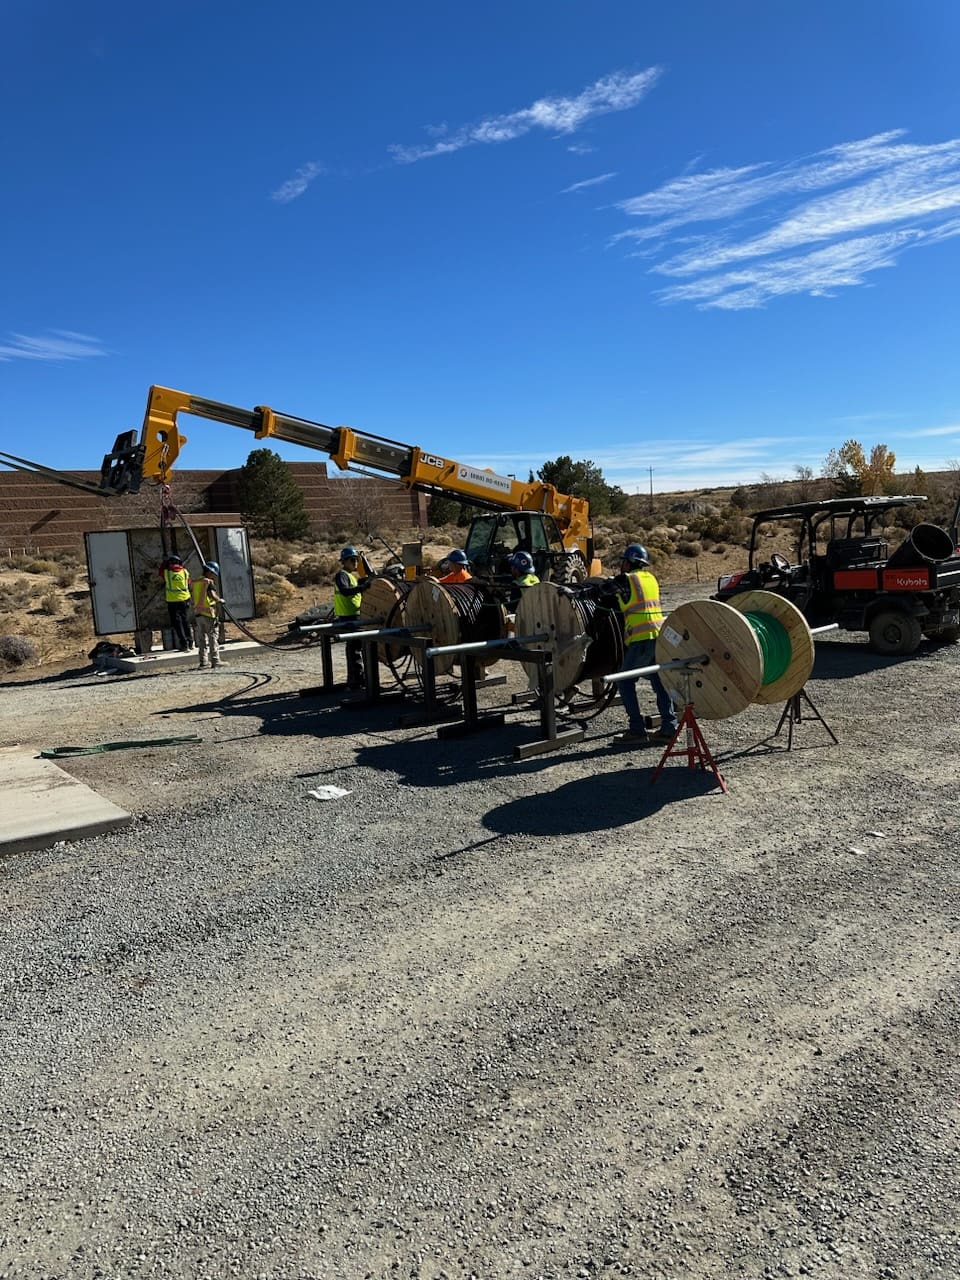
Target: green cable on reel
{"x": 775, "y": 648}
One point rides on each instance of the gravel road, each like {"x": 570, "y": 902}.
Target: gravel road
{"x": 481, "y": 1018}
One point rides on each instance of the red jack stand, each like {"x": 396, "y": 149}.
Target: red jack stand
{"x": 696, "y": 748}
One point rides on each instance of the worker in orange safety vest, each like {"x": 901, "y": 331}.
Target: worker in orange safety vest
{"x": 457, "y": 567}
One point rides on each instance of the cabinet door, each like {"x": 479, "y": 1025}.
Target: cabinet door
{"x": 236, "y": 570}
{"x": 111, "y": 583}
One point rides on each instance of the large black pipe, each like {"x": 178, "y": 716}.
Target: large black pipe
{"x": 926, "y": 543}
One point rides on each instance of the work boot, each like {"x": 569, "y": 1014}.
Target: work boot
{"x": 634, "y": 739}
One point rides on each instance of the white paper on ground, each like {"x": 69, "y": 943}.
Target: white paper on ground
{"x": 328, "y": 793}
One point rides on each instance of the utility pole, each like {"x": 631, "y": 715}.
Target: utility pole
{"x": 651, "y": 490}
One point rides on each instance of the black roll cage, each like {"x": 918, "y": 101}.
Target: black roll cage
{"x": 841, "y": 513}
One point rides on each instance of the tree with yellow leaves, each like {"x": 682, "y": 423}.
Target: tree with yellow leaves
{"x": 854, "y": 474}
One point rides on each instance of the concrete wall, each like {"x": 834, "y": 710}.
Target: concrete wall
{"x": 40, "y": 515}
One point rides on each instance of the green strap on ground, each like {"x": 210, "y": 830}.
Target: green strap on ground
{"x": 53, "y": 753}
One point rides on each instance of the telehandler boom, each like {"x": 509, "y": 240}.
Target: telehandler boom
{"x": 554, "y": 527}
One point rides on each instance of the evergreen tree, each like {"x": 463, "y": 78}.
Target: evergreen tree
{"x": 270, "y": 499}
{"x": 584, "y": 480}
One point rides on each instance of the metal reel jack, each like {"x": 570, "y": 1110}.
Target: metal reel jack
{"x": 793, "y": 714}
{"x": 695, "y": 749}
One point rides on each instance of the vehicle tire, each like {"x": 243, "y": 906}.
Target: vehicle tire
{"x": 570, "y": 570}
{"x": 894, "y": 632}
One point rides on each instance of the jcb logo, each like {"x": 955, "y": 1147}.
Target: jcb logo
{"x": 432, "y": 460}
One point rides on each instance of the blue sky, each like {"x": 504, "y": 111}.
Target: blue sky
{"x": 712, "y": 239}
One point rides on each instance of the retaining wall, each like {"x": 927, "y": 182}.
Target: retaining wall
{"x": 40, "y": 515}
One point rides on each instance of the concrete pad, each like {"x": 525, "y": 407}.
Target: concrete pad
{"x": 40, "y": 804}
{"x": 173, "y": 660}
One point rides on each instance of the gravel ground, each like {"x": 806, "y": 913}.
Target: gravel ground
{"x": 481, "y": 1018}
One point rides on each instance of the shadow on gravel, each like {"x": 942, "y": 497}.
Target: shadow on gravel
{"x": 438, "y": 763}
{"x": 441, "y": 762}
{"x": 290, "y": 714}
{"x": 75, "y": 673}
{"x": 597, "y": 803}
{"x": 837, "y": 660}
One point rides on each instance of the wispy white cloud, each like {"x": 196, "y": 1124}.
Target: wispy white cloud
{"x": 678, "y": 462}
{"x": 59, "y": 344}
{"x": 588, "y": 182}
{"x": 906, "y": 195}
{"x": 616, "y": 92}
{"x": 951, "y": 430}
{"x": 581, "y": 149}
{"x": 879, "y": 415}
{"x": 689, "y": 460}
{"x": 297, "y": 185}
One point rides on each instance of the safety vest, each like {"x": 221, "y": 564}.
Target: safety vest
{"x": 203, "y": 605}
{"x": 347, "y": 606}
{"x": 458, "y": 575}
{"x": 176, "y": 584}
{"x": 642, "y": 615}
{"x": 528, "y": 580}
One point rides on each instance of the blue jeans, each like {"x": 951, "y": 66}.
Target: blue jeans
{"x": 644, "y": 654}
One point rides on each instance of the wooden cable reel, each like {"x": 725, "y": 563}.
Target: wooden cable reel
{"x": 457, "y": 613}
{"x": 383, "y": 604}
{"x": 587, "y": 641}
{"x": 759, "y": 649}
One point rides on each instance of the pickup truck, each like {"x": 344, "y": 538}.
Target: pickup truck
{"x": 841, "y": 570}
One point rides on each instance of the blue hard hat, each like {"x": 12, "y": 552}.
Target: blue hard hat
{"x": 457, "y": 557}
{"x": 636, "y": 554}
{"x": 522, "y": 561}
{"x": 212, "y": 565}
{"x": 349, "y": 553}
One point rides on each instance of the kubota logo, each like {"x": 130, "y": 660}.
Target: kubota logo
{"x": 900, "y": 581}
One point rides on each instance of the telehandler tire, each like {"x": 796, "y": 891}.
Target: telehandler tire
{"x": 571, "y": 570}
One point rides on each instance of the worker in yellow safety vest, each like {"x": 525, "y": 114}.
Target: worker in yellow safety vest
{"x": 206, "y": 609}
{"x": 348, "y": 591}
{"x": 176, "y": 589}
{"x": 521, "y": 570}
{"x": 637, "y": 593}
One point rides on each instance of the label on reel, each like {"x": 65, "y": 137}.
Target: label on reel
{"x": 672, "y": 637}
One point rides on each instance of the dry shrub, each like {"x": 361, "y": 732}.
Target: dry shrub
{"x": 273, "y": 601}
{"x": 272, "y": 593}
{"x": 690, "y": 549}
{"x": 50, "y": 604}
{"x": 16, "y": 650}
{"x": 314, "y": 570}
{"x": 719, "y": 548}
{"x": 41, "y": 566}
{"x": 15, "y": 596}
{"x": 65, "y": 577}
